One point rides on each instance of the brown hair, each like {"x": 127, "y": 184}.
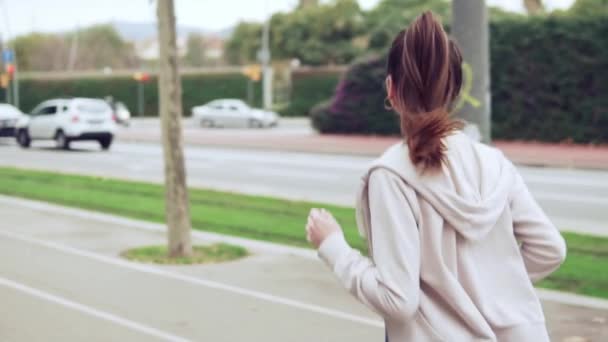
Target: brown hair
{"x": 425, "y": 69}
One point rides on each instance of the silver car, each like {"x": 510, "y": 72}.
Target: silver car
{"x": 233, "y": 113}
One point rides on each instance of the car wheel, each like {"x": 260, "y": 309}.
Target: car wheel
{"x": 105, "y": 143}
{"x": 61, "y": 141}
{"x": 23, "y": 138}
{"x": 253, "y": 123}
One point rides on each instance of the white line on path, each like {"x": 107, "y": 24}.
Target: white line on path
{"x": 196, "y": 281}
{"x": 91, "y": 311}
{"x": 553, "y": 296}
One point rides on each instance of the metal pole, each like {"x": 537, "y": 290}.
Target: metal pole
{"x": 266, "y": 68}
{"x": 8, "y": 93}
{"x": 16, "y": 83}
{"x": 250, "y": 92}
{"x": 470, "y": 29}
{"x": 2, "y": 68}
{"x": 140, "y": 98}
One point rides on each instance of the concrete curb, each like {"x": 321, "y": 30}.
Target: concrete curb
{"x": 266, "y": 247}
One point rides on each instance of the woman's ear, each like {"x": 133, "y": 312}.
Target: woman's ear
{"x": 389, "y": 87}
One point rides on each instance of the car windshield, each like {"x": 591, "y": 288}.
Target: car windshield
{"x": 8, "y": 110}
{"x": 237, "y": 105}
{"x": 92, "y": 106}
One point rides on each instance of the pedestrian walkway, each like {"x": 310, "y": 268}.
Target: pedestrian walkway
{"x": 66, "y": 262}
{"x": 295, "y": 135}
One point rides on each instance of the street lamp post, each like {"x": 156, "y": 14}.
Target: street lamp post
{"x": 470, "y": 29}
{"x": 264, "y": 57}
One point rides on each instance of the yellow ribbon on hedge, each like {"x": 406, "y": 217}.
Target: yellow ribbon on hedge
{"x": 466, "y": 96}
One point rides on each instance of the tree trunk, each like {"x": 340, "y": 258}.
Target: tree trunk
{"x": 177, "y": 207}
{"x": 470, "y": 29}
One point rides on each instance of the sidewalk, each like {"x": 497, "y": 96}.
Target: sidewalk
{"x": 283, "y": 283}
{"x": 296, "y": 135}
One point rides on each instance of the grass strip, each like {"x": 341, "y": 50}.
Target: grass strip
{"x": 262, "y": 218}
{"x": 200, "y": 254}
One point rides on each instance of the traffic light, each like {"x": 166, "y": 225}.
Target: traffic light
{"x": 10, "y": 69}
{"x": 254, "y": 72}
{"x": 4, "y": 80}
{"x": 141, "y": 77}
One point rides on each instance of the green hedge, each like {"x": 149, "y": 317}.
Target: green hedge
{"x": 550, "y": 79}
{"x": 196, "y": 90}
{"x": 358, "y": 105}
{"x": 549, "y": 83}
{"x": 309, "y": 88}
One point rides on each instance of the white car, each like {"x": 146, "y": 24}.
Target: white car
{"x": 67, "y": 120}
{"x": 233, "y": 113}
{"x": 9, "y": 116}
{"x": 122, "y": 113}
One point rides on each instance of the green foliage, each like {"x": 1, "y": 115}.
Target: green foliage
{"x": 244, "y": 44}
{"x": 549, "y": 80}
{"x": 207, "y": 254}
{"x": 37, "y": 51}
{"x": 498, "y": 14}
{"x": 358, "y": 104}
{"x": 262, "y": 218}
{"x": 320, "y": 34}
{"x": 589, "y": 7}
{"x": 195, "y": 57}
{"x": 196, "y": 90}
{"x": 315, "y": 34}
{"x": 392, "y": 16}
{"x": 308, "y": 88}
{"x": 96, "y": 47}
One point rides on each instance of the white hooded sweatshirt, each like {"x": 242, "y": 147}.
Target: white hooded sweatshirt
{"x": 453, "y": 253}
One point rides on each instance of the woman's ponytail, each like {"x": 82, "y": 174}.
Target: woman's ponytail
{"x": 425, "y": 69}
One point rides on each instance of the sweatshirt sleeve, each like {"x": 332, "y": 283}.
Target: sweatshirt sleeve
{"x": 542, "y": 247}
{"x": 388, "y": 284}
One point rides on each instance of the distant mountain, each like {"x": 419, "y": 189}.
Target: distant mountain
{"x": 133, "y": 31}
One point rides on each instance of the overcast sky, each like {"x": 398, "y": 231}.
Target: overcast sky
{"x": 22, "y": 16}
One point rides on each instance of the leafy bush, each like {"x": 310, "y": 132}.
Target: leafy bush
{"x": 358, "y": 105}
{"x": 550, "y": 79}
{"x": 308, "y": 88}
{"x": 549, "y": 83}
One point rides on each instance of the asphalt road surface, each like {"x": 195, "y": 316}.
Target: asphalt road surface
{"x": 576, "y": 200}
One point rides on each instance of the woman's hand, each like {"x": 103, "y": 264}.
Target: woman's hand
{"x": 321, "y": 224}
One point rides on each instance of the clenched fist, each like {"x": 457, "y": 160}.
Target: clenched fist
{"x": 321, "y": 224}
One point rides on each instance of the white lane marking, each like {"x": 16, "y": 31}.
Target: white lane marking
{"x": 576, "y": 199}
{"x": 196, "y": 281}
{"x": 314, "y": 174}
{"x": 268, "y": 247}
{"x": 572, "y": 299}
{"x": 91, "y": 311}
{"x": 574, "y": 180}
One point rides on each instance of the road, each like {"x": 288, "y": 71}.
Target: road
{"x": 574, "y": 199}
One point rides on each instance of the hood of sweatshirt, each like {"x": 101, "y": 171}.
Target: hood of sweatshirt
{"x": 470, "y": 191}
